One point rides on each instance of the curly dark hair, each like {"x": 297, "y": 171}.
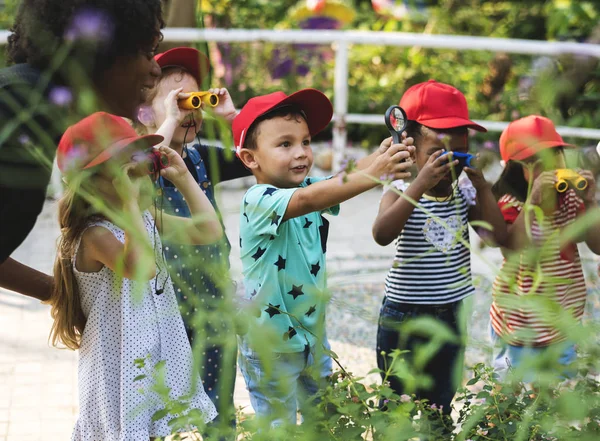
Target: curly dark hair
{"x": 41, "y": 27}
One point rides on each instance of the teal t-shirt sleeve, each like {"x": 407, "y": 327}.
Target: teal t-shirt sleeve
{"x": 265, "y": 206}
{"x": 334, "y": 210}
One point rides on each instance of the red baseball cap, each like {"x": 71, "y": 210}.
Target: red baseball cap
{"x": 95, "y": 139}
{"x": 192, "y": 60}
{"x": 527, "y": 136}
{"x": 315, "y": 105}
{"x": 437, "y": 105}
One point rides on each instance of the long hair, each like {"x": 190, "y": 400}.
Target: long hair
{"x": 511, "y": 181}
{"x": 74, "y": 215}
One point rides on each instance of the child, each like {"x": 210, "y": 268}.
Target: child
{"x": 431, "y": 274}
{"x": 200, "y": 273}
{"x": 537, "y": 266}
{"x": 113, "y": 298}
{"x": 283, "y": 236}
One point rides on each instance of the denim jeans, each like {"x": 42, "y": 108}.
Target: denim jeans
{"x": 507, "y": 357}
{"x": 444, "y": 367}
{"x": 280, "y": 383}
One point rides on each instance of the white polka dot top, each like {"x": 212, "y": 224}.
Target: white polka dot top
{"x": 126, "y": 321}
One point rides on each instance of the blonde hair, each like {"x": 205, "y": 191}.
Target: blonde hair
{"x": 166, "y": 72}
{"x": 74, "y": 214}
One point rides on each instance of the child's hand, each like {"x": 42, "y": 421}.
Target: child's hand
{"x": 172, "y": 110}
{"x": 589, "y": 194}
{"x": 225, "y": 109}
{"x": 543, "y": 185}
{"x": 388, "y": 165}
{"x": 436, "y": 168}
{"x": 176, "y": 170}
{"x": 476, "y": 177}
{"x": 406, "y": 140}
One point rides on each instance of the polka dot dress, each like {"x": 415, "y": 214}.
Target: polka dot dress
{"x": 126, "y": 321}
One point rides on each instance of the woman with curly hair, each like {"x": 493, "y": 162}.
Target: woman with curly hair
{"x": 69, "y": 58}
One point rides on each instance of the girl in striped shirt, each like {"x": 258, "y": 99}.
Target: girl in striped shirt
{"x": 540, "y": 291}
{"x": 431, "y": 274}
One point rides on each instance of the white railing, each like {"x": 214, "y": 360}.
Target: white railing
{"x": 341, "y": 41}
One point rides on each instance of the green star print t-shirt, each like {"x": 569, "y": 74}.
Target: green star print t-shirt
{"x": 284, "y": 269}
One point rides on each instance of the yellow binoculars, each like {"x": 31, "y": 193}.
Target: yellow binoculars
{"x": 195, "y": 100}
{"x": 566, "y": 176}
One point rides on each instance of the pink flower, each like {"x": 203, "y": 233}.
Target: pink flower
{"x": 405, "y": 398}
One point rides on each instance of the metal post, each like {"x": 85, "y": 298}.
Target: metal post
{"x": 340, "y": 103}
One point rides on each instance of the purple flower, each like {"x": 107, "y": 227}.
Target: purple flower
{"x": 405, "y": 398}
{"x": 60, "y": 96}
{"x": 320, "y": 22}
{"x": 24, "y": 139}
{"x": 90, "y": 24}
{"x": 489, "y": 145}
{"x": 386, "y": 401}
{"x": 75, "y": 157}
{"x": 434, "y": 406}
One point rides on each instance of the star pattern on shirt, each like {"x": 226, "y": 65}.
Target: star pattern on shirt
{"x": 314, "y": 269}
{"x": 272, "y": 237}
{"x": 280, "y": 264}
{"x": 269, "y": 191}
{"x": 296, "y": 291}
{"x": 307, "y": 223}
{"x": 273, "y": 310}
{"x": 244, "y": 214}
{"x": 259, "y": 252}
{"x": 274, "y": 218}
{"x": 311, "y": 310}
{"x": 253, "y": 293}
{"x": 289, "y": 333}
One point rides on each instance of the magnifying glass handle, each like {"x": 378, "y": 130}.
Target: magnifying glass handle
{"x": 395, "y": 137}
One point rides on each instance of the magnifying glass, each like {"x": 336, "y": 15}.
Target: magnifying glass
{"x": 395, "y": 120}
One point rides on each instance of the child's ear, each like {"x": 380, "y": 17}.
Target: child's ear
{"x": 248, "y": 157}
{"x": 146, "y": 116}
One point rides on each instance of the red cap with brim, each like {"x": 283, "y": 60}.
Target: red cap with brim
{"x": 526, "y": 137}
{"x": 438, "y": 106}
{"x": 192, "y": 60}
{"x": 96, "y": 139}
{"x": 315, "y": 105}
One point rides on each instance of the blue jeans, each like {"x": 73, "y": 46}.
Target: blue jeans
{"x": 507, "y": 357}
{"x": 280, "y": 383}
{"x": 444, "y": 367}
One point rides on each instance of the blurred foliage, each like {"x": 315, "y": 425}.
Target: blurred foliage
{"x": 497, "y": 86}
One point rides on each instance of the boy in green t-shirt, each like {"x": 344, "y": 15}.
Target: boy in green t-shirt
{"x": 283, "y": 236}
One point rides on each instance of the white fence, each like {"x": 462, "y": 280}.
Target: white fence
{"x": 341, "y": 41}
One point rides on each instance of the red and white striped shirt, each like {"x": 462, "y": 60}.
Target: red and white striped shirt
{"x": 536, "y": 286}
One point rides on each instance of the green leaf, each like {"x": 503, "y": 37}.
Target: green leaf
{"x": 160, "y": 414}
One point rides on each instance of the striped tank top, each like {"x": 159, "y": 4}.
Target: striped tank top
{"x": 432, "y": 264}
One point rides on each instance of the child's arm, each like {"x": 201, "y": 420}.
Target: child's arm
{"x": 133, "y": 259}
{"x": 324, "y": 194}
{"x": 517, "y": 237}
{"x": 204, "y": 226}
{"x": 395, "y": 210}
{"x": 592, "y": 234}
{"x": 365, "y": 162}
{"x": 173, "y": 115}
{"x": 486, "y": 208}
